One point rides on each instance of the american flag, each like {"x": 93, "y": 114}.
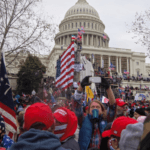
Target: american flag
{"x": 104, "y": 37}
{"x": 65, "y": 79}
{"x": 6, "y": 103}
{"x": 82, "y": 30}
{"x": 125, "y": 72}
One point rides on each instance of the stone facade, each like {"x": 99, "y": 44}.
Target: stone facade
{"x": 82, "y": 14}
{"x": 93, "y": 44}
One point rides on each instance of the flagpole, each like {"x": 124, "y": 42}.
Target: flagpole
{"x": 77, "y": 60}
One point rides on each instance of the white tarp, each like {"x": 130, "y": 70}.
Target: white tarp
{"x": 88, "y": 71}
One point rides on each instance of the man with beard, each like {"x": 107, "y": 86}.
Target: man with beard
{"x": 122, "y": 108}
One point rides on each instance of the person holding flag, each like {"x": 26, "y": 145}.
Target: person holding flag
{"x": 96, "y": 120}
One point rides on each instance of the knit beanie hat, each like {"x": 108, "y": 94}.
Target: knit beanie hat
{"x": 140, "y": 111}
{"x": 130, "y": 137}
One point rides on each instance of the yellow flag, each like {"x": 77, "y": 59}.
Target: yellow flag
{"x": 89, "y": 93}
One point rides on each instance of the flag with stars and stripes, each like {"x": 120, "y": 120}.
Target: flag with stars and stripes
{"x": 64, "y": 78}
{"x": 6, "y": 102}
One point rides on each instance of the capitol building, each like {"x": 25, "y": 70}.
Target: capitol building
{"x": 93, "y": 44}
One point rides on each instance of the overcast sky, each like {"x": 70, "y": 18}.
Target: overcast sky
{"x": 114, "y": 14}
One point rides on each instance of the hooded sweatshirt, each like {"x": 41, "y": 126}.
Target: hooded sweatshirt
{"x": 37, "y": 140}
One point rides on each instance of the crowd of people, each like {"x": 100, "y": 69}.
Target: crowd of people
{"x": 72, "y": 123}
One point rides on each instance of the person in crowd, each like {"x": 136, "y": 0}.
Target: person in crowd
{"x": 132, "y": 110}
{"x": 117, "y": 127}
{"x": 94, "y": 123}
{"x": 122, "y": 108}
{"x": 139, "y": 112}
{"x": 5, "y": 141}
{"x": 106, "y": 140}
{"x": 65, "y": 127}
{"x": 145, "y": 138}
{"x": 38, "y": 130}
{"x": 131, "y": 136}
{"x": 147, "y": 111}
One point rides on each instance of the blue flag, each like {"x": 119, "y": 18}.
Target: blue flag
{"x": 6, "y": 102}
{"x": 52, "y": 98}
{"x": 5, "y": 89}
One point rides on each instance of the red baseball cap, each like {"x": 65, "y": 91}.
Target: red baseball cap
{"x": 133, "y": 104}
{"x": 61, "y": 115}
{"x": 69, "y": 118}
{"x": 106, "y": 133}
{"x": 118, "y": 125}
{"x": 87, "y": 107}
{"x": 120, "y": 102}
{"x": 38, "y": 112}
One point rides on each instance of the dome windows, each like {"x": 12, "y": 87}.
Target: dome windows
{"x": 80, "y": 10}
{"x": 83, "y": 9}
{"x": 77, "y": 10}
{"x": 68, "y": 26}
{"x": 84, "y": 24}
{"x": 80, "y": 24}
{"x": 87, "y": 10}
{"x": 72, "y": 25}
{"x": 95, "y": 26}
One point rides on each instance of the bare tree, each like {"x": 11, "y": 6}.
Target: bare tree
{"x": 141, "y": 28}
{"x": 21, "y": 28}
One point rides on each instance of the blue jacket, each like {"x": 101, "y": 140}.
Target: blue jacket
{"x": 37, "y": 140}
{"x": 86, "y": 132}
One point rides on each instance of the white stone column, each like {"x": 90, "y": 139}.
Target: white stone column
{"x": 131, "y": 67}
{"x": 127, "y": 64}
{"x": 92, "y": 41}
{"x": 101, "y": 61}
{"x": 63, "y": 40}
{"x": 102, "y": 42}
{"x": 96, "y": 41}
{"x": 83, "y": 39}
{"x": 106, "y": 43}
{"x": 117, "y": 64}
{"x": 94, "y": 59}
{"x": 120, "y": 66}
{"x": 69, "y": 39}
{"x": 109, "y": 62}
{"x": 60, "y": 41}
{"x": 87, "y": 40}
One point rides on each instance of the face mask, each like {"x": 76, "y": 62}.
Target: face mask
{"x": 60, "y": 130}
